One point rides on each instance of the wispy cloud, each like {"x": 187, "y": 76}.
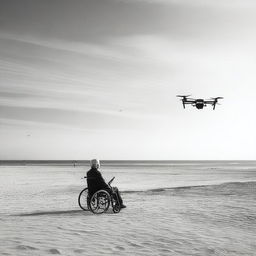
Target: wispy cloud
{"x": 116, "y": 66}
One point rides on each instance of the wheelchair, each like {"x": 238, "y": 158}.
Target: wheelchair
{"x": 100, "y": 201}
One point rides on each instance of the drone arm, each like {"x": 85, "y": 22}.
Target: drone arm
{"x": 209, "y": 102}
{"x": 189, "y": 101}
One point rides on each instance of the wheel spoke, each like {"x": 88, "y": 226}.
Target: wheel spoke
{"x": 100, "y": 201}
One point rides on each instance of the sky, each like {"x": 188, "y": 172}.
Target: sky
{"x": 87, "y": 79}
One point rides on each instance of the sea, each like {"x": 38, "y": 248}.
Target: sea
{"x": 173, "y": 208}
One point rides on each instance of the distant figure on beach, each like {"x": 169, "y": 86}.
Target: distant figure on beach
{"x": 95, "y": 181}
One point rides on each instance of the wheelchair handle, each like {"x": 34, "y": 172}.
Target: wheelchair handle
{"x": 111, "y": 181}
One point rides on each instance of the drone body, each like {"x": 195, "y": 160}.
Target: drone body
{"x": 198, "y": 103}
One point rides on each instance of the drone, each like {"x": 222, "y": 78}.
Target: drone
{"x": 198, "y": 103}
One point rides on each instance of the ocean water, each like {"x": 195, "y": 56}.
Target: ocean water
{"x": 173, "y": 208}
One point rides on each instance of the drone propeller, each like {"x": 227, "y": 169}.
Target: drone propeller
{"x": 183, "y": 96}
{"x": 217, "y": 98}
{"x": 184, "y": 99}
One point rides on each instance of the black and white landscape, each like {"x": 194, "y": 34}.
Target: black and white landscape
{"x": 86, "y": 79}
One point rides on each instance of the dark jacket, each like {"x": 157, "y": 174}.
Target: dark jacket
{"x": 95, "y": 181}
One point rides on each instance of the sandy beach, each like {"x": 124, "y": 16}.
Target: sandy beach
{"x": 40, "y": 214}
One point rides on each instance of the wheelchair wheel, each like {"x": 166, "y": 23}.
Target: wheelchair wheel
{"x": 83, "y": 199}
{"x": 100, "y": 202}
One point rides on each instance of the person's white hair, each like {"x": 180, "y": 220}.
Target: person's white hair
{"x": 95, "y": 163}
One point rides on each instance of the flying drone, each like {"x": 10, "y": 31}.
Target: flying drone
{"x": 198, "y": 103}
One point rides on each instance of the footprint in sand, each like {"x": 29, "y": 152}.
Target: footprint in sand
{"x": 25, "y": 247}
{"x": 54, "y": 251}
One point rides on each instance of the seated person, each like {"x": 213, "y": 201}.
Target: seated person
{"x": 95, "y": 181}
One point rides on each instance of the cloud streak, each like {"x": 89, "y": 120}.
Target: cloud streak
{"x": 114, "y": 67}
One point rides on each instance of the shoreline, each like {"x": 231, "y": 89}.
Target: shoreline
{"x": 114, "y": 162}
